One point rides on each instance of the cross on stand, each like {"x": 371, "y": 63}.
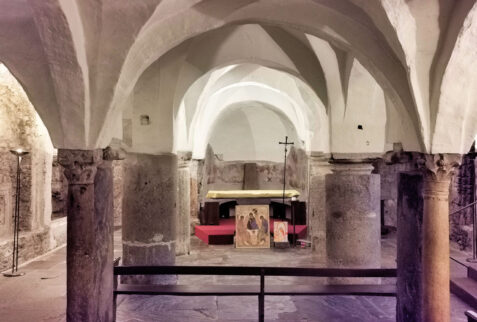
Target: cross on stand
{"x": 286, "y": 144}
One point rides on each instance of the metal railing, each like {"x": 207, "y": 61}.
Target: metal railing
{"x": 252, "y": 290}
{"x": 471, "y": 316}
{"x": 474, "y": 230}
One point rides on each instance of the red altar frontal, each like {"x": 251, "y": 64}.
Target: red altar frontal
{"x": 223, "y": 233}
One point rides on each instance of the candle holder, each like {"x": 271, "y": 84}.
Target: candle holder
{"x": 19, "y": 153}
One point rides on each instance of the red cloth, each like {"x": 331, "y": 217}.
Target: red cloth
{"x": 227, "y": 227}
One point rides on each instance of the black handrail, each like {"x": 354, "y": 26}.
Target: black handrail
{"x": 463, "y": 208}
{"x": 474, "y": 230}
{"x": 255, "y": 270}
{"x": 471, "y": 316}
{"x": 458, "y": 262}
{"x": 262, "y": 272}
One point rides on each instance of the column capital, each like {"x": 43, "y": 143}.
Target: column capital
{"x": 184, "y": 159}
{"x": 80, "y": 165}
{"x": 394, "y": 157}
{"x": 319, "y": 156}
{"x": 438, "y": 167}
{"x": 354, "y": 166}
{"x": 114, "y": 152}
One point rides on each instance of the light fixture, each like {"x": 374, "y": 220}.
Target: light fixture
{"x": 19, "y": 153}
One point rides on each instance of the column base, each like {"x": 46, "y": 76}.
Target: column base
{"x": 149, "y": 255}
{"x": 14, "y": 274}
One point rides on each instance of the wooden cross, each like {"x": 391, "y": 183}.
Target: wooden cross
{"x": 286, "y": 143}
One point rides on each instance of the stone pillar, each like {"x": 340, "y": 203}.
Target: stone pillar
{"x": 319, "y": 168}
{"x": 353, "y": 217}
{"x": 118, "y": 172}
{"x": 183, "y": 206}
{"x": 438, "y": 170}
{"x": 89, "y": 249}
{"x": 409, "y": 249}
{"x": 149, "y": 213}
{"x": 194, "y": 192}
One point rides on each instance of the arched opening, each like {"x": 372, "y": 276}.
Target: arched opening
{"x": 22, "y": 128}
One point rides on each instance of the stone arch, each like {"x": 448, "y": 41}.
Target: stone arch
{"x": 456, "y": 113}
{"x": 361, "y": 39}
{"x": 307, "y": 114}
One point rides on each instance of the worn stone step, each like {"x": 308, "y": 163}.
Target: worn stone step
{"x": 466, "y": 289}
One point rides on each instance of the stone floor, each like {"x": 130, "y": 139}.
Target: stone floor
{"x": 40, "y": 295}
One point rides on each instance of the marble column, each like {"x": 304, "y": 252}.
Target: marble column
{"x": 319, "y": 167}
{"x": 149, "y": 213}
{"x": 409, "y": 247}
{"x": 183, "y": 206}
{"x": 89, "y": 249}
{"x": 352, "y": 217}
{"x": 438, "y": 170}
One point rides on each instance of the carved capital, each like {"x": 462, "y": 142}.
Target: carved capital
{"x": 438, "y": 170}
{"x": 393, "y": 157}
{"x": 114, "y": 153}
{"x": 438, "y": 167}
{"x": 80, "y": 165}
{"x": 184, "y": 159}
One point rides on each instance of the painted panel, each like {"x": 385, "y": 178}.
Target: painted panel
{"x": 252, "y": 226}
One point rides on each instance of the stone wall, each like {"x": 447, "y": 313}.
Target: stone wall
{"x": 118, "y": 177}
{"x": 31, "y": 244}
{"x": 462, "y": 194}
{"x": 389, "y": 168}
{"x": 7, "y": 192}
{"x": 21, "y": 127}
{"x": 59, "y": 190}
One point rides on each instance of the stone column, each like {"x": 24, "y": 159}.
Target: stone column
{"x": 409, "y": 249}
{"x": 352, "y": 216}
{"x": 183, "y": 206}
{"x": 89, "y": 249}
{"x": 438, "y": 170}
{"x": 319, "y": 168}
{"x": 149, "y": 213}
{"x": 194, "y": 192}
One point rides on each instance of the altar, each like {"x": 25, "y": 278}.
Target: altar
{"x": 221, "y": 203}
{"x": 219, "y": 206}
{"x": 251, "y": 194}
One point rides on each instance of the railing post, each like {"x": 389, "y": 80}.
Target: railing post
{"x": 474, "y": 234}
{"x": 115, "y": 287}
{"x": 473, "y": 259}
{"x": 261, "y": 297}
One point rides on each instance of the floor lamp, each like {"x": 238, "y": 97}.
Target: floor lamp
{"x": 19, "y": 153}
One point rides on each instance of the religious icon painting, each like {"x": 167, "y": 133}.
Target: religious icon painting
{"x": 252, "y": 226}
{"x": 280, "y": 232}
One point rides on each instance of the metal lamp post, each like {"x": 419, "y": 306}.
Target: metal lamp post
{"x": 19, "y": 153}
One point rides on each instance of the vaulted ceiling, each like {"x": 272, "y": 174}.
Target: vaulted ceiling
{"x": 403, "y": 70}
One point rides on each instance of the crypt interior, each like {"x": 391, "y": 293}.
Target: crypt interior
{"x": 151, "y": 126}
